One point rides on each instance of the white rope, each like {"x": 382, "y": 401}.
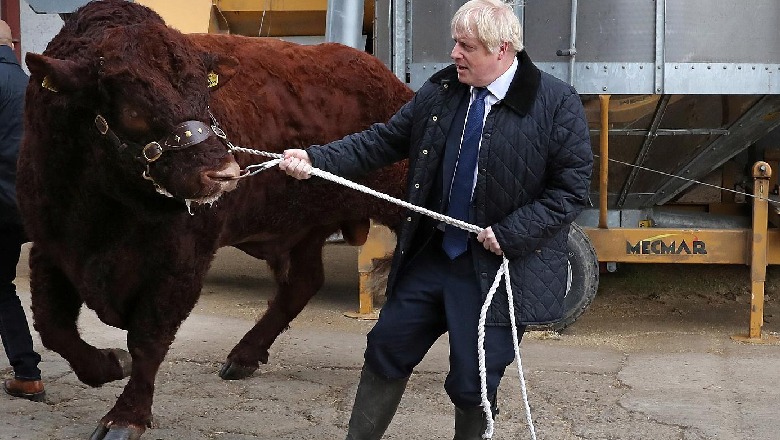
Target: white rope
{"x": 516, "y": 339}
{"x": 486, "y": 407}
{"x": 503, "y": 271}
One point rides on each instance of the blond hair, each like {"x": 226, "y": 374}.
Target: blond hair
{"x": 492, "y": 22}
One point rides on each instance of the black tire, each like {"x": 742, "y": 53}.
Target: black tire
{"x": 583, "y": 281}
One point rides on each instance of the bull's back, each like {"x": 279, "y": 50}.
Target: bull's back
{"x": 284, "y": 95}
{"x": 304, "y": 94}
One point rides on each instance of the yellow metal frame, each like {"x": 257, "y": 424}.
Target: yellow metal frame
{"x": 760, "y": 255}
{"x": 662, "y": 245}
{"x": 271, "y": 5}
{"x": 279, "y": 18}
{"x": 604, "y": 162}
{"x": 380, "y": 244}
{"x": 188, "y": 16}
{"x": 758, "y": 246}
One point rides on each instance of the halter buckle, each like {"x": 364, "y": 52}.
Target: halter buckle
{"x": 152, "y": 151}
{"x": 101, "y": 124}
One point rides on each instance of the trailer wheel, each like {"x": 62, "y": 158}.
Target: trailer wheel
{"x": 582, "y": 282}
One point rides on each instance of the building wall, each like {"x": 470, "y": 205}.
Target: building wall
{"x": 37, "y": 29}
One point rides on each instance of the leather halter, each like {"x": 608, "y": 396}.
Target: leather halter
{"x": 184, "y": 135}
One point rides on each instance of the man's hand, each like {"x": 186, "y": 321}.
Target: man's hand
{"x": 296, "y": 163}
{"x": 488, "y": 240}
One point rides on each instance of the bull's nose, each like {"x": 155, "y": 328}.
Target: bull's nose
{"x": 230, "y": 172}
{"x": 227, "y": 177}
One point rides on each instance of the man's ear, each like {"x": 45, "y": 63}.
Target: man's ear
{"x": 221, "y": 68}
{"x": 503, "y": 49}
{"x": 58, "y": 75}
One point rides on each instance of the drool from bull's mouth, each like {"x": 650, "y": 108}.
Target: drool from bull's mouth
{"x": 190, "y": 203}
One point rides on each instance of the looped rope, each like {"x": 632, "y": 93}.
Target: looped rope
{"x": 502, "y": 272}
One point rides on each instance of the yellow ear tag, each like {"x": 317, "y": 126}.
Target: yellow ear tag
{"x": 46, "y": 84}
{"x": 213, "y": 79}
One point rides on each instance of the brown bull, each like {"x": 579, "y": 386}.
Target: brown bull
{"x": 105, "y": 205}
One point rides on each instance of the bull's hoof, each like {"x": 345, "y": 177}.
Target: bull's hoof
{"x": 122, "y": 358}
{"x": 103, "y": 432}
{"x": 232, "y": 371}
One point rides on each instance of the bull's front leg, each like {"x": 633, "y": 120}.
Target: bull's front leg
{"x": 152, "y": 329}
{"x": 298, "y": 280}
{"x": 132, "y": 412}
{"x": 56, "y": 306}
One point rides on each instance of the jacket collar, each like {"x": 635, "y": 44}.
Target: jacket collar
{"x": 522, "y": 92}
{"x": 7, "y": 55}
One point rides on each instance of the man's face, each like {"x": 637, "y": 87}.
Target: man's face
{"x": 476, "y": 65}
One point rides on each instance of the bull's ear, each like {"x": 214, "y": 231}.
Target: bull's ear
{"x": 221, "y": 69}
{"x": 58, "y": 75}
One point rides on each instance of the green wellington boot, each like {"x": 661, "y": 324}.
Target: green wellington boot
{"x": 375, "y": 405}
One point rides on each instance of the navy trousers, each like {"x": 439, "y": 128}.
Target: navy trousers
{"x": 14, "y": 330}
{"x": 436, "y": 295}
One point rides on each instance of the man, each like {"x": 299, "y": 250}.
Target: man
{"x": 14, "y": 330}
{"x": 493, "y": 141}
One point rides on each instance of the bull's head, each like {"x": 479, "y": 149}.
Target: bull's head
{"x": 150, "y": 88}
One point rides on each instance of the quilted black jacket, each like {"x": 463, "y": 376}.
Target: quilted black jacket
{"x": 533, "y": 176}
{"x": 13, "y": 82}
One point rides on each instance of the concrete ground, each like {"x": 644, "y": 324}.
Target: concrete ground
{"x": 651, "y": 359}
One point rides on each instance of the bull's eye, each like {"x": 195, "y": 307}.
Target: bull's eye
{"x": 133, "y": 120}
{"x": 130, "y": 113}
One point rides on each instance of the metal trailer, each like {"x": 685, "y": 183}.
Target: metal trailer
{"x": 680, "y": 91}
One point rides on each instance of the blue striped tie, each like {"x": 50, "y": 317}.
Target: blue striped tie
{"x": 455, "y": 240}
